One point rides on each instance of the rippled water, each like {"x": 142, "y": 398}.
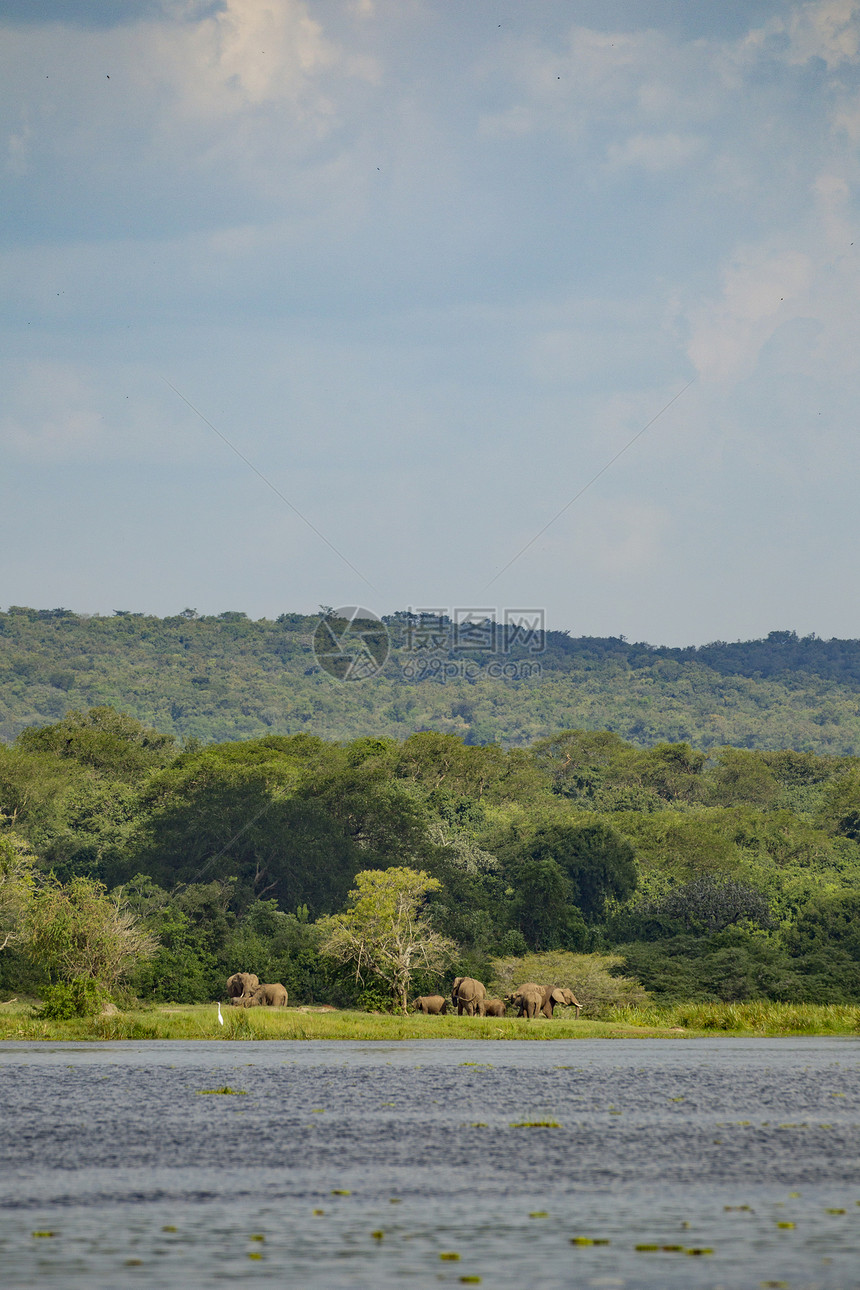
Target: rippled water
{"x": 746, "y": 1148}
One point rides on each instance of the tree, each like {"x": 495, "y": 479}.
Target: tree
{"x": 584, "y": 863}
{"x": 81, "y": 932}
{"x": 17, "y": 886}
{"x": 383, "y": 932}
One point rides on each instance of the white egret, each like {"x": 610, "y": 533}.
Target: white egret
{"x": 220, "y": 1018}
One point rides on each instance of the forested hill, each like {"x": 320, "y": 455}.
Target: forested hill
{"x": 228, "y": 677}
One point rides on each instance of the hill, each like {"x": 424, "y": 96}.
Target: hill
{"x": 229, "y": 677}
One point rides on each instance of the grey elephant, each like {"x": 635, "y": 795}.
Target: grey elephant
{"x": 432, "y": 1005}
{"x": 265, "y": 996}
{"x": 467, "y": 993}
{"x": 491, "y": 1007}
{"x": 241, "y": 983}
{"x": 527, "y": 999}
{"x": 560, "y": 995}
{"x": 548, "y": 996}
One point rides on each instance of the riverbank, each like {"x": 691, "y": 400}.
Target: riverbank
{"x": 200, "y": 1021}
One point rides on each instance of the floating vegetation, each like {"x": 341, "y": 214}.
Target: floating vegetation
{"x": 581, "y": 1240}
{"x": 320, "y": 1110}
{"x": 449, "y": 1256}
{"x": 169, "y": 1228}
{"x": 696, "y": 1251}
{"x": 254, "y": 1254}
{"x": 672, "y": 1249}
{"x": 226, "y": 1091}
{"x": 395, "y": 1200}
{"x": 646, "y": 1249}
{"x": 257, "y": 1236}
{"x": 785, "y": 1224}
{"x": 741, "y": 1209}
{"x": 377, "y": 1236}
{"x": 341, "y": 1191}
{"x": 542, "y": 1213}
{"x": 478, "y": 1124}
{"x": 134, "y": 1263}
{"x": 836, "y": 1211}
{"x": 470, "y": 1281}
{"x": 535, "y": 1124}
{"x": 43, "y": 1234}
{"x": 318, "y": 1213}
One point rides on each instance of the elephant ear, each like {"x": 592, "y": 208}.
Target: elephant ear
{"x": 557, "y": 995}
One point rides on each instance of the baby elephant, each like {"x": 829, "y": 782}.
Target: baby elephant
{"x": 491, "y": 1008}
{"x": 265, "y": 996}
{"x": 432, "y": 1005}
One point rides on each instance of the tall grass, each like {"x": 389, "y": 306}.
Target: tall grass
{"x": 201, "y": 1022}
{"x": 760, "y": 1018}
{"x": 193, "y": 1022}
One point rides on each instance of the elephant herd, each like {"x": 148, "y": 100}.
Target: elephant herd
{"x": 244, "y": 991}
{"x": 470, "y": 996}
{"x": 467, "y": 995}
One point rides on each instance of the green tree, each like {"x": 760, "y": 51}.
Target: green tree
{"x": 17, "y": 887}
{"x": 383, "y": 932}
{"x": 595, "y": 860}
{"x": 80, "y": 932}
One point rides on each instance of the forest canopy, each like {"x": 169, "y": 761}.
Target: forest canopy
{"x": 719, "y": 874}
{"x": 224, "y": 676}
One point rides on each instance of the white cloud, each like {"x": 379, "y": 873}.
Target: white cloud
{"x": 250, "y": 52}
{"x": 761, "y": 289}
{"x": 826, "y": 29}
{"x": 655, "y": 152}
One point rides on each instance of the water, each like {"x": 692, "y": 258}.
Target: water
{"x": 698, "y": 1144}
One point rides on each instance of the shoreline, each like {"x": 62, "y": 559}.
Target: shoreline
{"x": 199, "y": 1022}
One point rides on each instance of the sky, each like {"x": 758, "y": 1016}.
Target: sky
{"x": 337, "y": 302}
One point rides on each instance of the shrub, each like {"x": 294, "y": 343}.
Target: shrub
{"x": 81, "y": 997}
{"x": 589, "y": 976}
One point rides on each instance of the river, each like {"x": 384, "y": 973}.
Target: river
{"x": 734, "y": 1163}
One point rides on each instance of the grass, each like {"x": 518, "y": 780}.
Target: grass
{"x": 758, "y": 1018}
{"x": 200, "y": 1021}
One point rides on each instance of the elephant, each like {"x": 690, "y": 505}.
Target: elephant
{"x": 241, "y": 983}
{"x": 491, "y": 1008}
{"x": 527, "y": 999}
{"x": 562, "y": 996}
{"x": 432, "y": 1005}
{"x": 266, "y": 996}
{"x": 466, "y": 992}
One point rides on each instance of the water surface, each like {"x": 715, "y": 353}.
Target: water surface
{"x": 746, "y": 1148}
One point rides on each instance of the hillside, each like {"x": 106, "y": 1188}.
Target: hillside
{"x": 228, "y": 677}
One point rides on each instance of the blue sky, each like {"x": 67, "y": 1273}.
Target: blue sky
{"x": 429, "y": 265}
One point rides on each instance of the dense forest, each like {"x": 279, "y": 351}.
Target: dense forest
{"x": 227, "y": 677}
{"x": 720, "y": 874}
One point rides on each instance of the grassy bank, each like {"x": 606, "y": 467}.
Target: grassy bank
{"x": 759, "y": 1018}
{"x": 201, "y": 1022}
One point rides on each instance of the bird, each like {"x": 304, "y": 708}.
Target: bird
{"x": 220, "y": 1018}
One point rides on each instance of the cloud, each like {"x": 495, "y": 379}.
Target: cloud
{"x": 760, "y": 290}
{"x": 249, "y": 53}
{"x": 826, "y": 29}
{"x": 655, "y": 152}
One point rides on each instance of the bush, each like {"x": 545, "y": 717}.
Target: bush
{"x": 79, "y": 998}
{"x": 589, "y": 976}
